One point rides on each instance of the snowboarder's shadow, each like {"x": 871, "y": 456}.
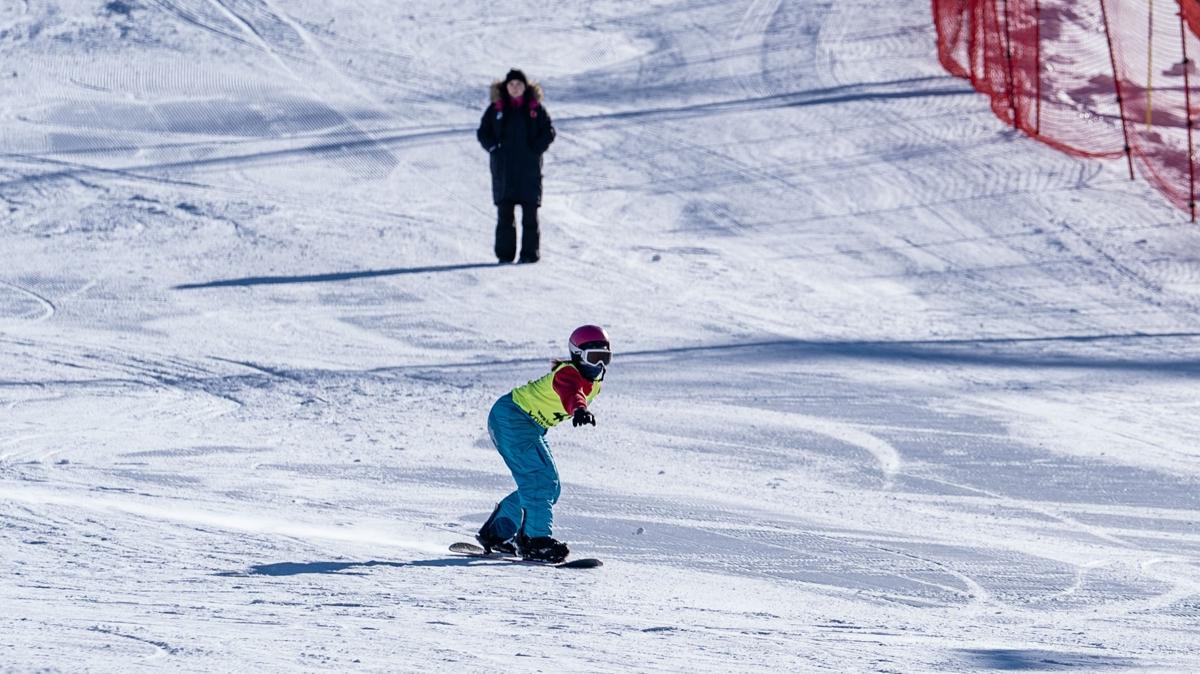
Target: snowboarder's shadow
{"x": 345, "y": 568}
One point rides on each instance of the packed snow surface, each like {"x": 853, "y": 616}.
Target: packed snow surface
{"x": 895, "y": 389}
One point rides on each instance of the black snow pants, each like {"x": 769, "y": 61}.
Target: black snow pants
{"x": 506, "y": 232}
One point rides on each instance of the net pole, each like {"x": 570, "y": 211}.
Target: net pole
{"x": 1008, "y": 55}
{"x": 1037, "y": 51}
{"x": 1150, "y": 66}
{"x": 1112, "y": 59}
{"x": 1187, "y": 104}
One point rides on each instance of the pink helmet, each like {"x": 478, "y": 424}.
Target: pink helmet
{"x": 589, "y": 344}
{"x": 586, "y": 336}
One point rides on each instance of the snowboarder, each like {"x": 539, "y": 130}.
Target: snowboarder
{"x": 522, "y": 522}
{"x": 516, "y": 130}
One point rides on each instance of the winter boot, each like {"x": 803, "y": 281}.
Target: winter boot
{"x": 491, "y": 540}
{"x": 541, "y": 549}
{"x": 492, "y": 545}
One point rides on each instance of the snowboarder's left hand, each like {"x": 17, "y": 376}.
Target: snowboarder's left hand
{"x": 583, "y": 416}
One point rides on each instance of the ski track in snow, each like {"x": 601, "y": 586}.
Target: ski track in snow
{"x": 45, "y": 306}
{"x": 895, "y": 389}
{"x": 189, "y": 514}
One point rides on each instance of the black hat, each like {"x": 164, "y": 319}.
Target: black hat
{"x": 515, "y": 74}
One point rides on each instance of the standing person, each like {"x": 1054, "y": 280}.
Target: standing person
{"x": 523, "y": 522}
{"x": 516, "y": 131}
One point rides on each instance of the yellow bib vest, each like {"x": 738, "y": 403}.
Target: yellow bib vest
{"x": 543, "y": 403}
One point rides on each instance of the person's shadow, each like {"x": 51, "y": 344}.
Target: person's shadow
{"x": 336, "y": 276}
{"x": 345, "y": 568}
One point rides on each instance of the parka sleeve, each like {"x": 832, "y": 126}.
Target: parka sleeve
{"x": 545, "y": 132}
{"x": 486, "y": 133}
{"x": 569, "y": 385}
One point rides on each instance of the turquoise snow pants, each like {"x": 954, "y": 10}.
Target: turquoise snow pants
{"x": 522, "y": 444}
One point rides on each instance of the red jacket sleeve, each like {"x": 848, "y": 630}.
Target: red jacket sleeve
{"x": 572, "y": 388}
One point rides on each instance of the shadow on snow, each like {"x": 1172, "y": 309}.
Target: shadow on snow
{"x": 1016, "y": 659}
{"x": 989, "y": 351}
{"x": 327, "y": 278}
{"x": 301, "y": 568}
{"x": 1007, "y": 352}
{"x": 1019, "y": 352}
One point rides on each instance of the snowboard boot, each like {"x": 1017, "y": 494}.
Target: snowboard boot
{"x": 541, "y": 549}
{"x": 493, "y": 545}
{"x": 492, "y": 541}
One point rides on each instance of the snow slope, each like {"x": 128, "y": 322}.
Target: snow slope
{"x": 896, "y": 389}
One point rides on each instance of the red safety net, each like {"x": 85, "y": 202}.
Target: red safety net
{"x": 1191, "y": 13}
{"x": 1093, "y": 78}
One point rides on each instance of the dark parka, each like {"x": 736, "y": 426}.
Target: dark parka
{"x": 516, "y": 138}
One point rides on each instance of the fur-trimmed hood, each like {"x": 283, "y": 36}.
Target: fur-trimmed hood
{"x": 532, "y": 88}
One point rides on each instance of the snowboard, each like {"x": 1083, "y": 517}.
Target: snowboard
{"x": 476, "y": 551}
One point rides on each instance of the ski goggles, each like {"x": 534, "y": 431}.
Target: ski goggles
{"x": 596, "y": 356}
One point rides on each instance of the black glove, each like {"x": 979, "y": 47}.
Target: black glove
{"x": 493, "y": 148}
{"x": 583, "y": 416}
